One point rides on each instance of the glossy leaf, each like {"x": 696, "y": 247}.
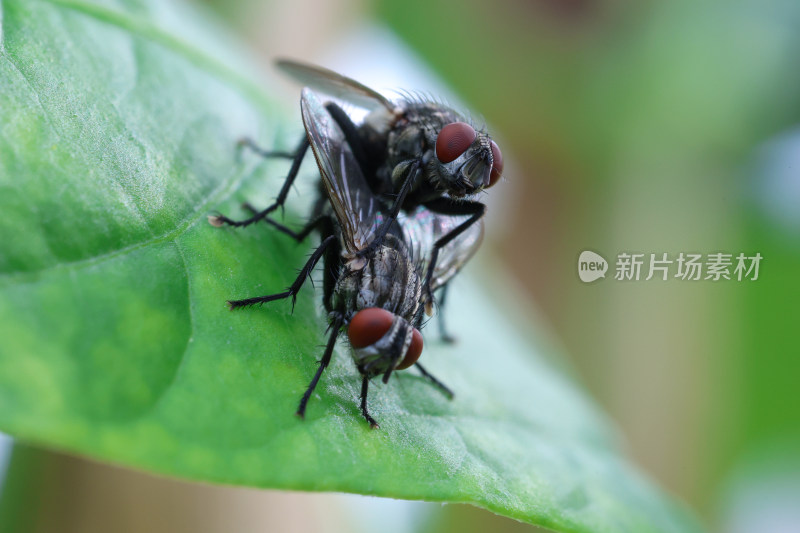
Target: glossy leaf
{"x": 118, "y": 130}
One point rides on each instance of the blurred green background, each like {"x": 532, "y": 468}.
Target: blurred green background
{"x": 645, "y": 127}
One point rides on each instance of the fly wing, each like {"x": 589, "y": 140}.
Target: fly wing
{"x": 422, "y": 228}
{"x": 350, "y": 196}
{"x": 336, "y": 85}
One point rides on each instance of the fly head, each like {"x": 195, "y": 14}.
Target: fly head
{"x": 383, "y": 342}
{"x": 466, "y": 161}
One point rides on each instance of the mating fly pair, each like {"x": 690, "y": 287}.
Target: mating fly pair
{"x": 391, "y": 193}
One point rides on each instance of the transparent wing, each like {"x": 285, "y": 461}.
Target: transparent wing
{"x": 336, "y": 85}
{"x": 353, "y": 203}
{"x": 422, "y": 228}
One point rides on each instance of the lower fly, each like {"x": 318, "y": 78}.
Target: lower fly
{"x": 376, "y": 294}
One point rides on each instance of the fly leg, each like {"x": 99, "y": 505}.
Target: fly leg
{"x": 319, "y": 220}
{"x": 441, "y": 386}
{"x": 299, "y": 154}
{"x": 247, "y": 142}
{"x": 364, "y": 388}
{"x": 443, "y": 333}
{"x": 299, "y": 236}
{"x": 295, "y": 287}
{"x": 336, "y": 327}
{"x": 446, "y": 206}
{"x": 414, "y": 170}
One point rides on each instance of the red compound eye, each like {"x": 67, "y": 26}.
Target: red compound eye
{"x": 453, "y": 140}
{"x": 497, "y": 165}
{"x": 368, "y": 326}
{"x": 414, "y": 351}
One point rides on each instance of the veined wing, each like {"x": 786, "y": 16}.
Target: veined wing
{"x": 422, "y": 228}
{"x": 350, "y": 196}
{"x": 335, "y": 84}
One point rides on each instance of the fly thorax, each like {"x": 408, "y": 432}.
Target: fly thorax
{"x": 406, "y": 143}
{"x": 375, "y": 286}
{"x": 387, "y": 352}
{"x": 390, "y": 281}
{"x": 345, "y": 293}
{"x": 404, "y": 146}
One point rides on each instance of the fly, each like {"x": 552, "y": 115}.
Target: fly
{"x": 411, "y": 152}
{"x": 373, "y": 292}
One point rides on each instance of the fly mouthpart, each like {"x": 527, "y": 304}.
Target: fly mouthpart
{"x": 474, "y": 174}
{"x": 464, "y": 186}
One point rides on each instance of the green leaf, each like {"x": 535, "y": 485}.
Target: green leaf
{"x": 118, "y": 127}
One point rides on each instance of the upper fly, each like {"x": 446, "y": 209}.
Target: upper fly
{"x": 412, "y": 153}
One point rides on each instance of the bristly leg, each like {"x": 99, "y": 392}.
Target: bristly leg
{"x": 295, "y": 287}
{"x": 323, "y": 364}
{"x": 448, "y": 206}
{"x": 299, "y": 154}
{"x": 447, "y": 392}
{"x": 299, "y": 236}
{"x": 443, "y": 333}
{"x": 247, "y": 142}
{"x": 364, "y": 389}
{"x": 414, "y": 171}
